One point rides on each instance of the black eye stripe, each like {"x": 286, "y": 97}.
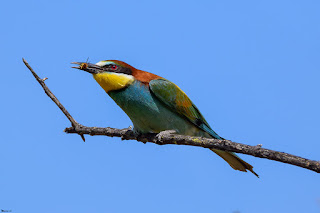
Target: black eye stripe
{"x": 117, "y": 69}
{"x": 123, "y": 70}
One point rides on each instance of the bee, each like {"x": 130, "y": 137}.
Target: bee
{"x": 83, "y": 66}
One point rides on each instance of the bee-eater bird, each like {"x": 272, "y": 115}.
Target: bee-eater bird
{"x": 155, "y": 104}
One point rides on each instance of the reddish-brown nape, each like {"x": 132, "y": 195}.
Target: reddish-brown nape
{"x": 143, "y": 76}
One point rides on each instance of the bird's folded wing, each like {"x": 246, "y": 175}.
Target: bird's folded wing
{"x": 172, "y": 96}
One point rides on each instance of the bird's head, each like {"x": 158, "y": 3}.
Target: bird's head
{"x": 110, "y": 74}
{"x": 110, "y": 66}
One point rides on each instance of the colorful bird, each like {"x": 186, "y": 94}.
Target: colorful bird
{"x": 155, "y": 104}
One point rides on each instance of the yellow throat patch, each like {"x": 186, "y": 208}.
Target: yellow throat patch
{"x": 113, "y": 81}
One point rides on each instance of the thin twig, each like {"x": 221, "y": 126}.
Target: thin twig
{"x": 225, "y": 145}
{"x": 74, "y": 123}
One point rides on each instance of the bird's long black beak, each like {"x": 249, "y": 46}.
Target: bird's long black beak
{"x": 88, "y": 67}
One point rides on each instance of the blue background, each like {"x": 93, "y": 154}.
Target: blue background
{"x": 252, "y": 68}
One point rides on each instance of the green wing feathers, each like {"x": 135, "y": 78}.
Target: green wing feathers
{"x": 171, "y": 95}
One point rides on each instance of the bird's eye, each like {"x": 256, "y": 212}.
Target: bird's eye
{"x": 114, "y": 67}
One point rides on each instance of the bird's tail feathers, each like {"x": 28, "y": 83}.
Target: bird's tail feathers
{"x": 234, "y": 161}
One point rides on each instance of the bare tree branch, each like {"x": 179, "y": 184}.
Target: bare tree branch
{"x": 168, "y": 138}
{"x": 74, "y": 123}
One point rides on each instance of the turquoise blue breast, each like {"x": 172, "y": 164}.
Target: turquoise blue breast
{"x": 148, "y": 114}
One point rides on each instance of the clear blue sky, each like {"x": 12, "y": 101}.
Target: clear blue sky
{"x": 252, "y": 68}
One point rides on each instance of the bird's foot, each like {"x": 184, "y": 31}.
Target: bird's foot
{"x": 138, "y": 135}
{"x": 160, "y": 135}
